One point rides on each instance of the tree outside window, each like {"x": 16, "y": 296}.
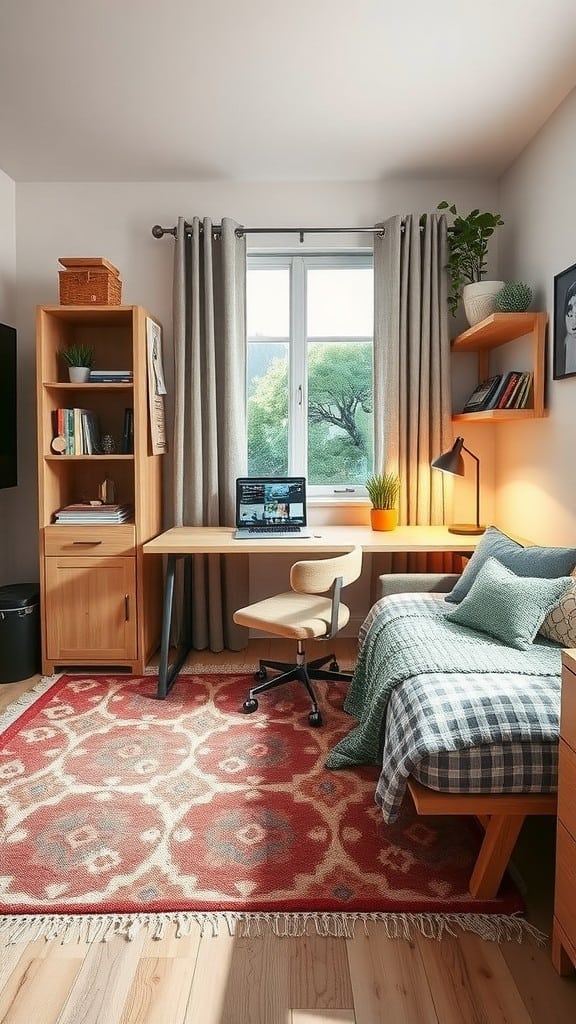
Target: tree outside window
{"x": 309, "y": 380}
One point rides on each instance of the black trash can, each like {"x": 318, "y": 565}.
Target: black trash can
{"x": 19, "y": 632}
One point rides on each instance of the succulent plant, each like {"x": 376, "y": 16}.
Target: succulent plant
{"x": 514, "y": 297}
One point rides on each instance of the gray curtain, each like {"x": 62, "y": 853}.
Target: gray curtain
{"x": 412, "y": 365}
{"x": 209, "y": 447}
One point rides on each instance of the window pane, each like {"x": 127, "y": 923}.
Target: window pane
{"x": 340, "y": 429}
{"x": 267, "y": 390}
{"x": 268, "y": 302}
{"x": 340, "y": 302}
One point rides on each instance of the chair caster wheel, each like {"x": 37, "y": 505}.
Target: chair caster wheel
{"x": 260, "y": 675}
{"x": 334, "y": 666}
{"x": 250, "y": 705}
{"x": 315, "y": 718}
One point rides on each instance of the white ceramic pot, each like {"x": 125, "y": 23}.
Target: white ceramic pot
{"x": 480, "y": 300}
{"x": 79, "y": 374}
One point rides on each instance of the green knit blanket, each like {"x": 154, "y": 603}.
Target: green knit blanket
{"x": 405, "y": 641}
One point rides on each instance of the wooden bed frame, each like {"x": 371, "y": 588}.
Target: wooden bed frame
{"x": 501, "y": 816}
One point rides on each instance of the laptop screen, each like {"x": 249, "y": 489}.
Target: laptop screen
{"x": 271, "y": 501}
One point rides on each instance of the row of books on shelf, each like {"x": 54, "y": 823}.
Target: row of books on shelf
{"x": 77, "y": 432}
{"x": 90, "y": 512}
{"x": 503, "y": 391}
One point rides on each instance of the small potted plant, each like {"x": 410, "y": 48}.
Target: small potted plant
{"x": 383, "y": 490}
{"x": 79, "y": 360}
{"x": 467, "y": 250}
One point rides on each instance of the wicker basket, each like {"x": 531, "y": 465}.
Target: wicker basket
{"x": 89, "y": 281}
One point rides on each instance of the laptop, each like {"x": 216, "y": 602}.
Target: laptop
{"x": 271, "y": 507}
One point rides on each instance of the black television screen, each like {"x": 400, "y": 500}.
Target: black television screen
{"x": 8, "y": 424}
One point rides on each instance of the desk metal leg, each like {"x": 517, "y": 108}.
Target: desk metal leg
{"x": 167, "y": 673}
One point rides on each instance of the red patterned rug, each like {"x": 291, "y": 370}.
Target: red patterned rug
{"x": 119, "y": 809}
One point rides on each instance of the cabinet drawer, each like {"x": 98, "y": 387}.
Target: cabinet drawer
{"x": 565, "y": 891}
{"x": 89, "y": 540}
{"x": 567, "y": 787}
{"x": 568, "y": 719}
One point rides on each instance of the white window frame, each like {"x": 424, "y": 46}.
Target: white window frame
{"x": 298, "y": 263}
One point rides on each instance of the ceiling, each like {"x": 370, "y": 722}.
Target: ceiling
{"x": 276, "y": 90}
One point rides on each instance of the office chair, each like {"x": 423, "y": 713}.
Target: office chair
{"x": 303, "y": 613}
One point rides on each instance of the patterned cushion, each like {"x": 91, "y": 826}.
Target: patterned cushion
{"x": 508, "y": 607}
{"x": 545, "y": 563}
{"x": 560, "y": 623}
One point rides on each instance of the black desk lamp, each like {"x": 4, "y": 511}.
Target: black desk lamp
{"x": 452, "y": 462}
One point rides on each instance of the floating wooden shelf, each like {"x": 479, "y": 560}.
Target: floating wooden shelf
{"x": 499, "y": 329}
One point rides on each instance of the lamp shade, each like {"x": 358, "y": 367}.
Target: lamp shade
{"x": 452, "y": 462}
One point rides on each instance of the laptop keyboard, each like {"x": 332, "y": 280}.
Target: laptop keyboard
{"x": 266, "y": 531}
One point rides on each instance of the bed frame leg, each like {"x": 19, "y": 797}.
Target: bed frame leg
{"x": 502, "y": 831}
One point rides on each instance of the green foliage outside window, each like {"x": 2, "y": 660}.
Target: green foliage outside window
{"x": 339, "y": 414}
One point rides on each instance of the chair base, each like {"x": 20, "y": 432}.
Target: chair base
{"x": 302, "y": 671}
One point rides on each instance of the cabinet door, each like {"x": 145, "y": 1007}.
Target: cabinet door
{"x": 90, "y": 609}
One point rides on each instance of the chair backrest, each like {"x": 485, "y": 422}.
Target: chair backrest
{"x": 317, "y": 576}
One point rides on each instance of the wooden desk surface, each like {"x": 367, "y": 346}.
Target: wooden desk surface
{"x": 187, "y": 540}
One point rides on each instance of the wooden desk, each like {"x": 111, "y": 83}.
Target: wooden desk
{"x": 185, "y": 541}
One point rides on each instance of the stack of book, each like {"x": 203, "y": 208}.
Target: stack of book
{"x": 90, "y": 512}
{"x": 79, "y": 430}
{"x": 503, "y": 391}
{"x": 111, "y": 377}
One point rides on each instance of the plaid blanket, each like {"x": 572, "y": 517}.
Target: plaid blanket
{"x": 433, "y": 713}
{"x": 409, "y": 638}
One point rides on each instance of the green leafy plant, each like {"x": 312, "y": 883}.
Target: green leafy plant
{"x": 383, "y": 490}
{"x": 78, "y": 355}
{"x": 514, "y": 297}
{"x": 467, "y": 248}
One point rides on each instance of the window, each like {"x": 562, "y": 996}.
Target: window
{"x": 309, "y": 368}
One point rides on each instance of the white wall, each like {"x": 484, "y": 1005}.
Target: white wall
{"x": 12, "y": 498}
{"x": 536, "y": 484}
{"x": 115, "y": 221}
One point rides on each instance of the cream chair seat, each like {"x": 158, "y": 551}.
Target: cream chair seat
{"x": 312, "y": 609}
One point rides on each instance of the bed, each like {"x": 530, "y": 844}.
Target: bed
{"x": 470, "y": 732}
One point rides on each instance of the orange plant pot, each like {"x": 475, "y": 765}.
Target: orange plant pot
{"x": 384, "y": 518}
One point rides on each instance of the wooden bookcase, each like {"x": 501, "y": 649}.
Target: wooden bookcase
{"x": 499, "y": 329}
{"x": 100, "y": 598}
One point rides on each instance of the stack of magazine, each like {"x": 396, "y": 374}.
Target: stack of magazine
{"x": 509, "y": 390}
{"x": 111, "y": 376}
{"x": 91, "y": 512}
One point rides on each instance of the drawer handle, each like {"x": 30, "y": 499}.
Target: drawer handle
{"x": 92, "y": 543}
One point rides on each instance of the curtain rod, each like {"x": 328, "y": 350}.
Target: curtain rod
{"x": 159, "y": 231}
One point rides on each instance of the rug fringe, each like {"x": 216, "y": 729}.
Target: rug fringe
{"x": 102, "y": 927}
{"x": 25, "y": 700}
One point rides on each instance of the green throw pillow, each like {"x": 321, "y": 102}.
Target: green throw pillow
{"x": 508, "y": 607}
{"x": 545, "y": 563}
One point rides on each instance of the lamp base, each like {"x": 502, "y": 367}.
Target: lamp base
{"x": 464, "y": 528}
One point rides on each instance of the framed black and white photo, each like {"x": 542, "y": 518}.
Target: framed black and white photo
{"x": 565, "y": 324}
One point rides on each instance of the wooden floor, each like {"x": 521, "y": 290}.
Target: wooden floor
{"x": 313, "y": 980}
